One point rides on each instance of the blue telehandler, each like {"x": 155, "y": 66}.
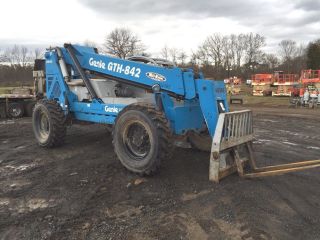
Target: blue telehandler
{"x": 150, "y": 104}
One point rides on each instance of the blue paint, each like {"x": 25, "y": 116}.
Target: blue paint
{"x": 195, "y": 104}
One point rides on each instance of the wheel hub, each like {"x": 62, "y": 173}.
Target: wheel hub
{"x": 15, "y": 112}
{"x": 137, "y": 140}
{"x": 44, "y": 125}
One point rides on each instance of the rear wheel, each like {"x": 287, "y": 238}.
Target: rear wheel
{"x": 141, "y": 138}
{"x": 15, "y": 110}
{"x": 48, "y": 122}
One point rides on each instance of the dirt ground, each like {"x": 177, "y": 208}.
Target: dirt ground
{"x": 81, "y": 191}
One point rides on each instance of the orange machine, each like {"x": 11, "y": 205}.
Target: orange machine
{"x": 310, "y": 76}
{"x": 261, "y": 84}
{"x": 285, "y": 84}
{"x": 310, "y": 79}
{"x": 233, "y": 85}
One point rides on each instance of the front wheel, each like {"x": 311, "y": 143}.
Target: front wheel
{"x": 142, "y": 138}
{"x": 48, "y": 122}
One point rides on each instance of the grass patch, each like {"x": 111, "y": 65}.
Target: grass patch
{"x": 267, "y": 101}
{"x": 263, "y": 101}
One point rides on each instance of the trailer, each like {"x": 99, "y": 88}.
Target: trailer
{"x": 17, "y": 103}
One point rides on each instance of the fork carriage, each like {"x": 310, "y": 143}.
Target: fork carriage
{"x": 234, "y": 134}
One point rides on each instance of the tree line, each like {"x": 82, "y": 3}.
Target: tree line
{"x": 218, "y": 56}
{"x": 16, "y": 65}
{"x": 221, "y": 56}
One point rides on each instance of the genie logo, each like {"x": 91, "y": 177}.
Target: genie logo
{"x": 112, "y": 109}
{"x": 97, "y": 64}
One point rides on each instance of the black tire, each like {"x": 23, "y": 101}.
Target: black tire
{"x": 142, "y": 138}
{"x": 15, "y": 110}
{"x": 29, "y": 108}
{"x": 48, "y": 122}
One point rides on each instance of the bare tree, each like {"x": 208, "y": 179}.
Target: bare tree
{"x": 213, "y": 46}
{"x": 15, "y": 54}
{"x": 12, "y": 55}
{"x": 122, "y": 43}
{"x": 253, "y": 45}
{"x": 2, "y": 56}
{"x": 201, "y": 56}
{"x": 37, "y": 53}
{"x": 182, "y": 56}
{"x": 19, "y": 72}
{"x": 271, "y": 60}
{"x": 288, "y": 51}
{"x": 24, "y": 56}
{"x": 221, "y": 51}
{"x": 299, "y": 62}
{"x": 165, "y": 52}
{"x": 301, "y": 50}
{"x": 228, "y": 54}
{"x": 313, "y": 54}
{"x": 194, "y": 58}
{"x": 174, "y": 52}
{"x": 238, "y": 46}
{"x": 239, "y": 54}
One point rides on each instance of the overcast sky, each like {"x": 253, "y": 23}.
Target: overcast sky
{"x": 177, "y": 23}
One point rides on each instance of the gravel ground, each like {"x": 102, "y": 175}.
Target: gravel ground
{"x": 81, "y": 191}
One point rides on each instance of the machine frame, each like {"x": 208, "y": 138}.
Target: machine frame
{"x": 181, "y": 102}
